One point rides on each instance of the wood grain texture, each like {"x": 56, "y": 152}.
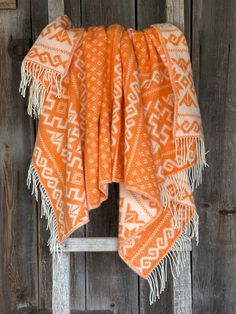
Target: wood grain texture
{"x": 91, "y": 244}
{"x": 61, "y": 284}
{"x": 150, "y": 12}
{"x": 110, "y": 284}
{"x": 55, "y": 9}
{"x": 94, "y": 244}
{"x": 7, "y": 4}
{"x": 214, "y": 65}
{"x": 39, "y": 18}
{"x": 188, "y": 22}
{"x": 175, "y": 13}
{"x": 72, "y": 8}
{"x": 104, "y": 12}
{"x": 18, "y": 218}
{"x": 182, "y": 290}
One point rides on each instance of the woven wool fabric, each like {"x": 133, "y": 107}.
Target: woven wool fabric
{"x": 117, "y": 105}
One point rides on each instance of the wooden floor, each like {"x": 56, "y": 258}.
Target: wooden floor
{"x": 101, "y": 281}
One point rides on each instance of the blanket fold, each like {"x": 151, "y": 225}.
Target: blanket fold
{"x": 117, "y": 105}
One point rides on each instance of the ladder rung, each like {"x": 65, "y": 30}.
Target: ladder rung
{"x": 93, "y": 244}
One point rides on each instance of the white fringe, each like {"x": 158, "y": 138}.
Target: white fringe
{"x": 186, "y": 155}
{"x": 36, "y": 76}
{"x": 46, "y": 211}
{"x": 176, "y": 258}
{"x": 192, "y": 175}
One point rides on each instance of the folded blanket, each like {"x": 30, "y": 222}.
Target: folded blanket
{"x": 117, "y": 105}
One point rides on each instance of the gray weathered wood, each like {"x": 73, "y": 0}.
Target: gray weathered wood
{"x": 39, "y": 17}
{"x": 90, "y": 245}
{"x": 110, "y": 283}
{"x": 182, "y": 290}
{"x": 214, "y": 65}
{"x": 55, "y": 9}
{"x": 18, "y": 218}
{"x": 61, "y": 284}
{"x": 150, "y": 12}
{"x": 175, "y": 13}
{"x": 104, "y": 12}
{"x": 188, "y": 22}
{"x": 182, "y": 285}
{"x": 73, "y": 10}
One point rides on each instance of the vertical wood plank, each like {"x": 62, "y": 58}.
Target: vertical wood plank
{"x": 163, "y": 305}
{"x": 39, "y": 18}
{"x": 150, "y": 12}
{"x": 104, "y": 12}
{"x": 72, "y": 8}
{"x": 182, "y": 290}
{"x": 214, "y": 59}
{"x": 61, "y": 285}
{"x": 77, "y": 282}
{"x": 110, "y": 284}
{"x": 175, "y": 13}
{"x": 18, "y": 219}
{"x": 55, "y": 9}
{"x": 188, "y": 22}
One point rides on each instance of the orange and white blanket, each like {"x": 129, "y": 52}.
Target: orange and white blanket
{"x": 117, "y": 105}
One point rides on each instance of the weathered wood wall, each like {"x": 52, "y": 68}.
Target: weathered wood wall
{"x": 214, "y": 64}
{"x": 101, "y": 281}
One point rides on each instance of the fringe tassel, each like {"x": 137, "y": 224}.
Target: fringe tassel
{"x": 176, "y": 258}
{"x": 38, "y": 77}
{"x": 178, "y": 183}
{"x": 46, "y": 211}
{"x": 186, "y": 155}
{"x": 192, "y": 175}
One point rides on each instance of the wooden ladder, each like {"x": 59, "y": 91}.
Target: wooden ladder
{"x": 182, "y": 294}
